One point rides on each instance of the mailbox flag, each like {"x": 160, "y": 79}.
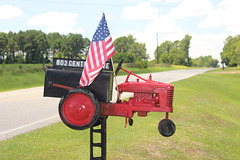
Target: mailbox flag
{"x": 101, "y": 49}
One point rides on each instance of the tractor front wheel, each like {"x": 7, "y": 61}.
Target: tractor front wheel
{"x": 79, "y": 109}
{"x": 166, "y": 127}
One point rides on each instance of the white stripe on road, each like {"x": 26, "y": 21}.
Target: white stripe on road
{"x": 28, "y": 125}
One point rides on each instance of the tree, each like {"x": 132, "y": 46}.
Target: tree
{"x": 177, "y": 56}
{"x": 123, "y": 44}
{"x": 163, "y": 48}
{"x": 206, "y": 61}
{"x": 42, "y": 48}
{"x": 30, "y": 45}
{"x": 185, "y": 45}
{"x": 21, "y": 42}
{"x": 75, "y": 46}
{"x": 128, "y": 57}
{"x": 139, "y": 50}
{"x": 11, "y": 47}
{"x": 34, "y": 46}
{"x": 3, "y": 45}
{"x": 55, "y": 41}
{"x": 86, "y": 46}
{"x": 176, "y": 52}
{"x": 231, "y": 51}
{"x": 131, "y": 50}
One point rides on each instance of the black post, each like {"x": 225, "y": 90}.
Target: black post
{"x": 103, "y": 144}
{"x": 223, "y": 64}
{"x": 104, "y": 138}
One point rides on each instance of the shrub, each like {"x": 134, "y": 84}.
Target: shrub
{"x": 141, "y": 64}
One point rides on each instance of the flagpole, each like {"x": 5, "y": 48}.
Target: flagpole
{"x": 115, "y": 77}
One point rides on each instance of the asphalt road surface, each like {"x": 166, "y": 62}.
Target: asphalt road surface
{"x": 25, "y": 110}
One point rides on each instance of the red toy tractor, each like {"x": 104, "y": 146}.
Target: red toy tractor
{"x": 81, "y": 109}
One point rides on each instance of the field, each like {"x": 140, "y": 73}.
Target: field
{"x": 151, "y": 68}
{"x": 18, "y": 76}
{"x": 206, "y": 114}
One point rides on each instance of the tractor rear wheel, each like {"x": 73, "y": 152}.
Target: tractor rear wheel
{"x": 166, "y": 127}
{"x": 79, "y": 109}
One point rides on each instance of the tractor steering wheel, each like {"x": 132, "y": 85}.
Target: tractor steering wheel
{"x": 119, "y": 66}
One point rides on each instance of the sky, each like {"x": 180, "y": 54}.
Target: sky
{"x": 209, "y": 22}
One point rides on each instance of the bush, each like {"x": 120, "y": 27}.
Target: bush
{"x": 141, "y": 64}
{"x": 138, "y": 64}
{"x": 20, "y": 58}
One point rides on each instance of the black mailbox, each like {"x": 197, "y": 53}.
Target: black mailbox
{"x": 68, "y": 73}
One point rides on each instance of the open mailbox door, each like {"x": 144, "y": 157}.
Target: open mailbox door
{"x": 68, "y": 72}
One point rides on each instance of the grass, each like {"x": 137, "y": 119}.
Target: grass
{"x": 150, "y": 69}
{"x": 18, "y": 76}
{"x": 226, "y": 69}
{"x": 206, "y": 114}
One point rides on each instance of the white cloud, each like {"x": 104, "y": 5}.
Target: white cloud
{"x": 201, "y": 45}
{"x": 207, "y": 44}
{"x": 164, "y": 25}
{"x": 166, "y": 29}
{"x": 56, "y": 22}
{"x": 107, "y": 16}
{"x": 9, "y": 12}
{"x": 156, "y": 0}
{"x": 64, "y": 29}
{"x": 225, "y": 14}
{"x": 214, "y": 19}
{"x": 172, "y": 1}
{"x": 191, "y": 8}
{"x": 52, "y": 19}
{"x": 139, "y": 12}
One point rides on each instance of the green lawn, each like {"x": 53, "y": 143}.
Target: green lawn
{"x": 206, "y": 114}
{"x": 226, "y": 69}
{"x": 19, "y": 76}
{"x": 151, "y": 68}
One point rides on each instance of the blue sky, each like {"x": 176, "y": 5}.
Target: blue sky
{"x": 209, "y": 22}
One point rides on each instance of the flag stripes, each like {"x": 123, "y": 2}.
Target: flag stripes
{"x": 101, "y": 49}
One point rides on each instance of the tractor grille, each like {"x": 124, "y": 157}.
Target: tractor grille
{"x": 169, "y": 98}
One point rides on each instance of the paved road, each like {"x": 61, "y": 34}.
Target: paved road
{"x": 25, "y": 110}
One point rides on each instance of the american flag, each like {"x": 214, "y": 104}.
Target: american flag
{"x": 101, "y": 49}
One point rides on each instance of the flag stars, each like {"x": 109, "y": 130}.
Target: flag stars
{"x": 102, "y": 31}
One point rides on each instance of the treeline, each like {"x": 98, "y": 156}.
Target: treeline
{"x": 231, "y": 51}
{"x": 34, "y": 46}
{"x": 132, "y": 51}
{"x": 206, "y": 61}
{"x": 176, "y": 52}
